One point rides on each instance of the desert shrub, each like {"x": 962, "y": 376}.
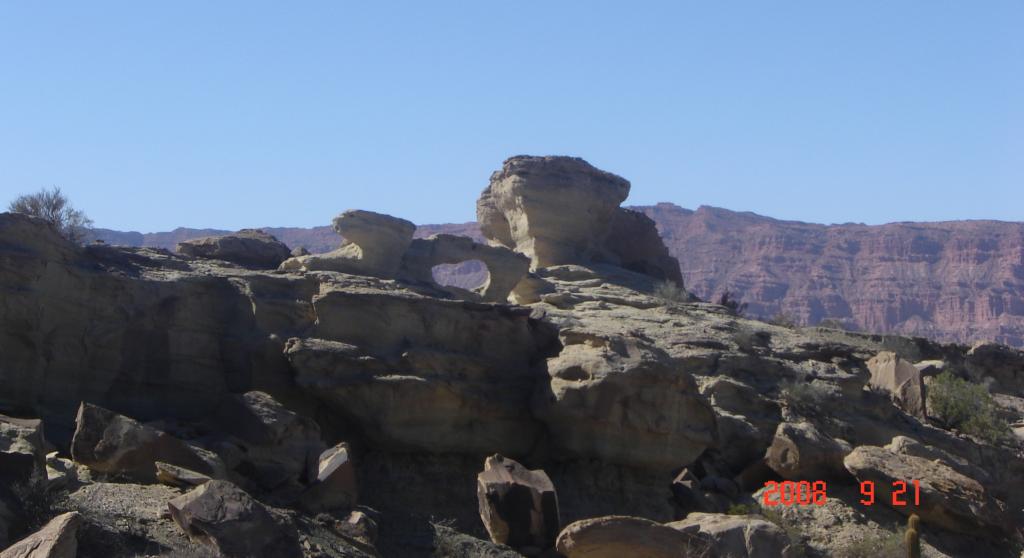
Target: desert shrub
{"x": 783, "y": 320}
{"x": 734, "y": 306}
{"x": 53, "y": 207}
{"x": 805, "y": 397}
{"x": 882, "y": 545}
{"x": 670, "y": 292}
{"x": 742, "y": 509}
{"x": 968, "y": 407}
{"x": 832, "y": 323}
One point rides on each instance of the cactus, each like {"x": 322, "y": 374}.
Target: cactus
{"x": 913, "y": 537}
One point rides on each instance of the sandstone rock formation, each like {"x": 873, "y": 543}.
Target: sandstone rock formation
{"x": 617, "y": 536}
{"x": 223, "y": 516}
{"x": 505, "y": 268}
{"x": 800, "y": 451}
{"x": 519, "y": 507}
{"x": 736, "y": 536}
{"x": 623, "y": 401}
{"x": 901, "y": 379}
{"x": 55, "y": 540}
{"x": 374, "y": 245}
{"x": 248, "y": 247}
{"x": 111, "y": 443}
{"x": 22, "y": 449}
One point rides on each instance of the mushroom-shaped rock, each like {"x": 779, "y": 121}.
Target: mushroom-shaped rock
{"x": 504, "y": 267}
{"x": 736, "y": 536}
{"x": 618, "y": 400}
{"x": 279, "y": 445}
{"x": 221, "y": 515}
{"x": 248, "y": 247}
{"x": 374, "y": 245}
{"x": 947, "y": 498}
{"x": 518, "y": 506}
{"x": 556, "y": 210}
{"x": 799, "y": 451}
{"x": 616, "y": 536}
{"x": 22, "y": 449}
{"x": 335, "y": 484}
{"x": 901, "y": 379}
{"x": 107, "y": 442}
{"x": 57, "y": 539}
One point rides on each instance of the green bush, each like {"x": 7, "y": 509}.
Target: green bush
{"x": 968, "y": 407}
{"x": 742, "y": 509}
{"x": 669, "y": 291}
{"x": 805, "y": 397}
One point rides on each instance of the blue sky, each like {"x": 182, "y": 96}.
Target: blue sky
{"x": 153, "y": 115}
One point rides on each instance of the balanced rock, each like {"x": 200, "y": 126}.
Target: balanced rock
{"x": 618, "y": 536}
{"x": 374, "y": 245}
{"x": 279, "y": 446}
{"x": 519, "y": 507}
{"x": 22, "y": 450}
{"x": 948, "y": 499}
{"x": 901, "y": 379}
{"x": 335, "y": 484}
{"x": 620, "y": 400}
{"x": 800, "y": 451}
{"x": 248, "y": 247}
{"x": 221, "y": 515}
{"x": 556, "y": 210}
{"x": 736, "y": 536}
{"x": 57, "y": 539}
{"x": 505, "y": 268}
{"x": 107, "y": 442}
{"x": 634, "y": 241}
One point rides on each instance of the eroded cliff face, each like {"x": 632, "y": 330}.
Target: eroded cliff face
{"x": 956, "y": 281}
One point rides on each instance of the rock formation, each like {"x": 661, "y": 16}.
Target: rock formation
{"x": 519, "y": 507}
{"x": 57, "y": 539}
{"x": 900, "y": 379}
{"x": 505, "y": 268}
{"x": 247, "y": 247}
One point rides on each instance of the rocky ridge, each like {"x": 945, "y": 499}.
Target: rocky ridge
{"x": 349, "y": 410}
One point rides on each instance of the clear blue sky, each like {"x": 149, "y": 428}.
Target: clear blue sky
{"x": 153, "y": 115}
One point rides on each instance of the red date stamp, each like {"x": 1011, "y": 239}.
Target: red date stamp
{"x": 807, "y": 493}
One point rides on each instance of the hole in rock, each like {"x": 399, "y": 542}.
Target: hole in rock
{"x": 468, "y": 275}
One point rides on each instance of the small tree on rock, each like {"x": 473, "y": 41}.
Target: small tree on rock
{"x": 53, "y": 206}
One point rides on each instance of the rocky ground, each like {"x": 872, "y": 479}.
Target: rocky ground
{"x": 239, "y": 399}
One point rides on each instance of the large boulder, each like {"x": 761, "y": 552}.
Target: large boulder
{"x": 334, "y": 486}
{"x": 620, "y": 400}
{"x": 1004, "y": 365}
{"x": 373, "y": 245}
{"x": 901, "y": 379}
{"x": 634, "y": 241}
{"x": 279, "y": 446}
{"x": 519, "y": 507}
{"x": 555, "y": 210}
{"x": 736, "y": 536}
{"x": 248, "y": 247}
{"x": 800, "y": 451}
{"x": 223, "y": 516}
{"x": 57, "y": 539}
{"x": 948, "y": 499}
{"x": 505, "y": 268}
{"x": 618, "y": 536}
{"x": 107, "y": 442}
{"x": 22, "y": 450}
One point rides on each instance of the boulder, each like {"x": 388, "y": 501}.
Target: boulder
{"x": 505, "y": 268}
{"x": 334, "y": 486}
{"x": 172, "y": 475}
{"x": 800, "y": 451}
{"x": 373, "y": 245}
{"x": 519, "y": 507}
{"x": 57, "y": 539}
{"x": 279, "y": 446}
{"x": 948, "y": 499}
{"x": 107, "y": 442}
{"x": 620, "y": 400}
{"x": 223, "y": 516}
{"x": 1004, "y": 365}
{"x": 248, "y": 247}
{"x": 617, "y": 536}
{"x": 360, "y": 526}
{"x": 556, "y": 210}
{"x": 736, "y": 536}
{"x": 634, "y": 242}
{"x": 901, "y": 379}
{"x": 22, "y": 450}
{"x": 688, "y": 494}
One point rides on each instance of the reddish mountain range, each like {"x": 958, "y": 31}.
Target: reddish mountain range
{"x": 953, "y": 281}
